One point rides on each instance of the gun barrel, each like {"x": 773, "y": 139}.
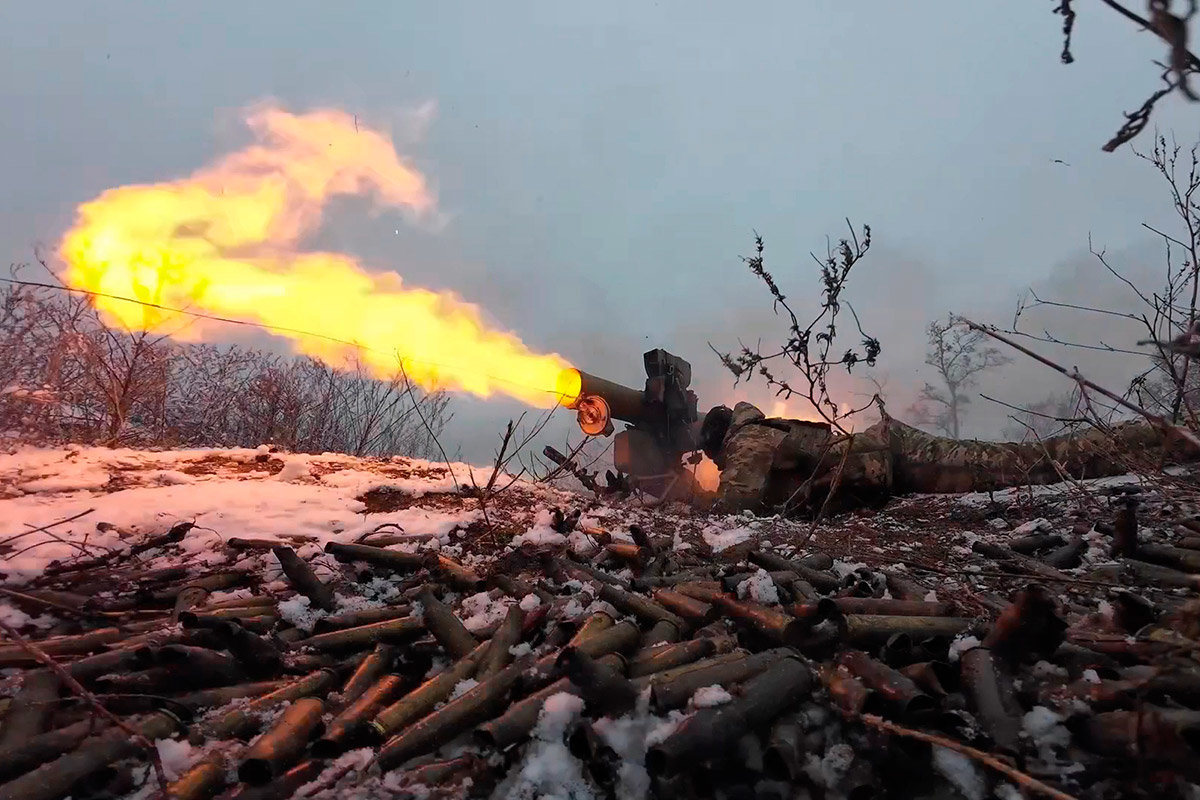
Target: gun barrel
{"x": 624, "y": 403}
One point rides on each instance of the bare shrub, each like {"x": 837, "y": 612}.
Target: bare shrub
{"x": 808, "y": 351}
{"x": 66, "y": 377}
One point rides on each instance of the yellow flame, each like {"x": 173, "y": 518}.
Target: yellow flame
{"x": 225, "y": 241}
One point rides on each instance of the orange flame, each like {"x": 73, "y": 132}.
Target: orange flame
{"x": 225, "y": 241}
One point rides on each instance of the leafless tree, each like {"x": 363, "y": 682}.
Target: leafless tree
{"x": 959, "y": 356}
{"x": 1053, "y": 415}
{"x": 809, "y": 349}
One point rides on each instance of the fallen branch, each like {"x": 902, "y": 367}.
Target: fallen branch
{"x": 46, "y": 527}
{"x": 1008, "y": 771}
{"x": 78, "y": 690}
{"x": 1154, "y": 419}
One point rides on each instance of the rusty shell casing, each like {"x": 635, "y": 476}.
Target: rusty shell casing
{"x": 202, "y": 780}
{"x": 301, "y": 576}
{"x": 711, "y": 592}
{"x": 288, "y": 637}
{"x": 1165, "y": 576}
{"x": 666, "y": 656}
{"x": 237, "y": 602}
{"x": 891, "y": 686}
{"x": 282, "y": 787}
{"x": 243, "y": 543}
{"x": 667, "y": 693}
{"x": 847, "y": 691}
{"x": 348, "y": 728}
{"x": 15, "y": 656}
{"x": 459, "y": 576}
{"x": 617, "y": 638}
{"x": 605, "y": 691}
{"x": 420, "y": 701}
{"x": 1189, "y": 543}
{"x": 662, "y": 631}
{"x": 1157, "y": 735}
{"x": 784, "y": 755}
{"x": 903, "y": 587}
{"x": 597, "y": 622}
{"x": 453, "y": 719}
{"x": 31, "y": 708}
{"x": 516, "y": 723}
{"x": 215, "y": 698}
{"x": 239, "y": 720}
{"x": 691, "y": 609}
{"x": 820, "y": 579}
{"x": 892, "y": 608}
{"x": 629, "y": 552}
{"x": 588, "y": 572}
{"x": 642, "y": 682}
{"x": 445, "y": 626}
{"x": 377, "y": 556}
{"x": 388, "y": 631}
{"x": 990, "y": 691}
{"x": 202, "y": 617}
{"x": 30, "y": 753}
{"x": 1125, "y": 532}
{"x": 519, "y": 589}
{"x": 506, "y": 636}
{"x": 277, "y": 749}
{"x": 365, "y": 675}
{"x": 862, "y": 629}
{"x": 86, "y": 669}
{"x": 56, "y": 779}
{"x": 711, "y": 732}
{"x": 156, "y": 680}
{"x": 188, "y": 599}
{"x": 1167, "y": 556}
{"x": 1030, "y": 624}
{"x": 777, "y": 626}
{"x": 257, "y": 655}
{"x": 446, "y": 772}
{"x": 355, "y": 619}
{"x": 938, "y": 678}
{"x": 1068, "y": 556}
{"x": 198, "y": 666}
{"x": 213, "y": 582}
{"x": 641, "y": 607}
{"x": 1035, "y": 542}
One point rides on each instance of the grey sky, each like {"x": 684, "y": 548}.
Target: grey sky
{"x": 603, "y": 164}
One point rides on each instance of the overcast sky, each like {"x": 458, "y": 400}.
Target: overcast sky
{"x": 602, "y": 165}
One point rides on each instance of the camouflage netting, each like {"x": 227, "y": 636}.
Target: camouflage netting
{"x": 772, "y": 463}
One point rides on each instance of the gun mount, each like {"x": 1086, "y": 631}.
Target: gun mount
{"x": 662, "y": 421}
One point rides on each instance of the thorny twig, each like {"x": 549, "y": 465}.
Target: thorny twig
{"x": 46, "y": 527}
{"x": 79, "y": 691}
{"x": 1008, "y": 771}
{"x": 807, "y": 347}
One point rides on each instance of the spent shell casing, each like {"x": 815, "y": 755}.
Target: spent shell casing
{"x": 421, "y": 700}
{"x": 445, "y": 626}
{"x": 377, "y": 556}
{"x": 453, "y": 719}
{"x": 990, "y": 690}
{"x": 506, "y": 636}
{"x": 348, "y": 728}
{"x": 31, "y": 708}
{"x": 711, "y": 732}
{"x": 239, "y": 720}
{"x": 301, "y": 576}
{"x": 354, "y": 619}
{"x": 365, "y": 675}
{"x": 641, "y": 607}
{"x": 281, "y": 745}
{"x": 388, "y": 631}
{"x": 56, "y": 779}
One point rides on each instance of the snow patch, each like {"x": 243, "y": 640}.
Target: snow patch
{"x": 719, "y": 539}
{"x": 961, "y": 644}
{"x": 760, "y": 588}
{"x": 710, "y": 696}
{"x": 961, "y": 772}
